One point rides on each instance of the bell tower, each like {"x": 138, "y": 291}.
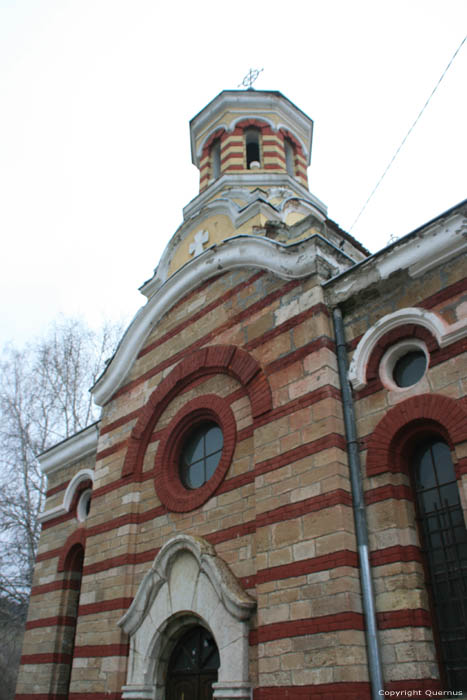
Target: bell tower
{"x": 251, "y": 133}
{"x": 252, "y": 149}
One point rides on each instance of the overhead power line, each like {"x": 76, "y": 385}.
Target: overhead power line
{"x": 409, "y": 131}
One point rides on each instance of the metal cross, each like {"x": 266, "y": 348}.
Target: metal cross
{"x": 250, "y": 78}
{"x": 201, "y": 238}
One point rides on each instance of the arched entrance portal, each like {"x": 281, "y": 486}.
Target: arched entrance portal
{"x": 187, "y": 588}
{"x": 193, "y": 666}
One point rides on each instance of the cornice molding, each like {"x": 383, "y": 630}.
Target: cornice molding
{"x": 251, "y": 180}
{"x": 76, "y": 447}
{"x": 244, "y": 251}
{"x": 417, "y": 252}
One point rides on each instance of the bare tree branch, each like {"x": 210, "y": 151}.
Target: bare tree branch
{"x": 44, "y": 398}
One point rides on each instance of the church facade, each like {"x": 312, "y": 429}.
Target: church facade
{"x": 273, "y": 502}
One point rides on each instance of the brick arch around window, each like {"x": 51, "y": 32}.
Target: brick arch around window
{"x": 217, "y": 134}
{"x": 249, "y": 122}
{"x": 215, "y": 359}
{"x": 297, "y": 146}
{"x": 76, "y": 540}
{"x": 409, "y": 420}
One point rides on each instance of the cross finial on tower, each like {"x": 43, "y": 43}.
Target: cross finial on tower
{"x": 250, "y": 78}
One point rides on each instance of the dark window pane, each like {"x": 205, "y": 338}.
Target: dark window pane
{"x": 449, "y": 495}
{"x": 445, "y": 541}
{"x": 410, "y": 368}
{"x": 201, "y": 455}
{"x": 425, "y": 475}
{"x": 195, "y": 475}
{"x": 214, "y": 440}
{"x": 211, "y": 465}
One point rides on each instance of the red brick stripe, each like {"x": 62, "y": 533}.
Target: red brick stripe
{"x": 403, "y": 618}
{"x": 309, "y": 505}
{"x": 305, "y": 450}
{"x": 322, "y": 691}
{"x": 292, "y": 510}
{"x": 322, "y": 342}
{"x": 104, "y": 606}
{"x": 314, "y": 625}
{"x": 61, "y": 585}
{"x": 237, "y": 318}
{"x": 56, "y": 489}
{"x": 52, "y": 658}
{"x": 57, "y": 621}
{"x": 308, "y": 566}
{"x": 327, "y": 391}
{"x": 383, "y": 493}
{"x": 90, "y": 651}
{"x": 202, "y": 312}
{"x": 397, "y": 553}
{"x": 445, "y": 294}
{"x": 286, "y": 326}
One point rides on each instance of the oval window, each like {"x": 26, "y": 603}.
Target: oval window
{"x": 201, "y": 454}
{"x": 410, "y": 368}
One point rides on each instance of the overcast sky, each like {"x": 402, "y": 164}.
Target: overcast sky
{"x": 96, "y": 96}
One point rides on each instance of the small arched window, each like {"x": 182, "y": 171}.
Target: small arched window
{"x": 74, "y": 572}
{"x": 253, "y": 157}
{"x": 215, "y": 159}
{"x": 444, "y": 540}
{"x": 289, "y": 157}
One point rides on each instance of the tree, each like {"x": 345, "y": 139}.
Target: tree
{"x": 44, "y": 398}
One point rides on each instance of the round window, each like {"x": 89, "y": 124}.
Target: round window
{"x": 201, "y": 455}
{"x": 84, "y": 505}
{"x": 409, "y": 368}
{"x": 404, "y": 364}
{"x": 194, "y": 453}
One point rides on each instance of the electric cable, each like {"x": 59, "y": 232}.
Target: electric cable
{"x": 409, "y": 131}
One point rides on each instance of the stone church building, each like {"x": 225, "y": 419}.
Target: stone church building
{"x": 272, "y": 505}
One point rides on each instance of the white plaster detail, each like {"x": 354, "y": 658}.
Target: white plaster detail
{"x": 187, "y": 584}
{"x": 245, "y": 251}
{"x": 417, "y": 252}
{"x": 196, "y": 248}
{"x": 444, "y": 333}
{"x": 252, "y": 180}
{"x": 392, "y": 355}
{"x": 83, "y": 505}
{"x": 78, "y": 446}
{"x": 65, "y": 505}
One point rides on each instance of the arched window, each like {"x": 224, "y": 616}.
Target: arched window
{"x": 253, "y": 157}
{"x": 289, "y": 157}
{"x": 215, "y": 154}
{"x": 193, "y": 666}
{"x": 444, "y": 540}
{"x": 74, "y": 572}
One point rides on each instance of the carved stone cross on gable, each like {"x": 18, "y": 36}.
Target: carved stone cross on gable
{"x": 201, "y": 238}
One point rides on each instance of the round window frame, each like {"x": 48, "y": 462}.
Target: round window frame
{"x": 168, "y": 484}
{"x": 85, "y": 497}
{"x": 393, "y": 354}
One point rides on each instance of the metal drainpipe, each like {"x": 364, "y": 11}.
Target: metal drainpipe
{"x": 374, "y": 657}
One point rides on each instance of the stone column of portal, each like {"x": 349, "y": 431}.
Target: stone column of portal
{"x": 232, "y": 690}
